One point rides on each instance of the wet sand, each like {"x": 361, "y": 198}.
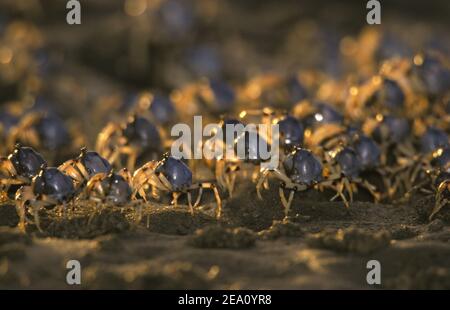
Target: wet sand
{"x": 251, "y": 247}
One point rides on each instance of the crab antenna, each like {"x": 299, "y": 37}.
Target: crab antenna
{"x": 83, "y": 152}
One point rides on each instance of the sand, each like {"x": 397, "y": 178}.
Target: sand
{"x": 322, "y": 245}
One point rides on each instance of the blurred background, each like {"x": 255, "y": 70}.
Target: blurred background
{"x": 86, "y": 73}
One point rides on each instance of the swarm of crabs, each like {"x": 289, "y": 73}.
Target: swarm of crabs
{"x": 386, "y": 135}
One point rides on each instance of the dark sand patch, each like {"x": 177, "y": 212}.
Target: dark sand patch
{"x": 220, "y": 237}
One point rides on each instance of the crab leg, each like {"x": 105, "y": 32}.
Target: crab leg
{"x": 260, "y": 182}
{"x": 286, "y": 203}
{"x": 191, "y": 208}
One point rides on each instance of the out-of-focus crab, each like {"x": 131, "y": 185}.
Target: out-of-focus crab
{"x": 391, "y": 91}
{"x": 378, "y": 95}
{"x": 273, "y": 90}
{"x": 137, "y": 139}
{"x": 8, "y": 120}
{"x": 208, "y": 97}
{"x": 20, "y": 41}
{"x": 155, "y": 107}
{"x": 44, "y": 131}
{"x": 434, "y": 157}
{"x": 432, "y": 71}
{"x": 394, "y": 135}
{"x": 441, "y": 113}
{"x": 323, "y": 123}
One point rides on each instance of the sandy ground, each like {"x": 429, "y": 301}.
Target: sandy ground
{"x": 326, "y": 247}
{"x": 250, "y": 247}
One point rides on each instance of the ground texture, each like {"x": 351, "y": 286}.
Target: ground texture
{"x": 322, "y": 246}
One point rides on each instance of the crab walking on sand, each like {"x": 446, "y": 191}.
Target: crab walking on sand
{"x": 49, "y": 188}
{"x": 172, "y": 176}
